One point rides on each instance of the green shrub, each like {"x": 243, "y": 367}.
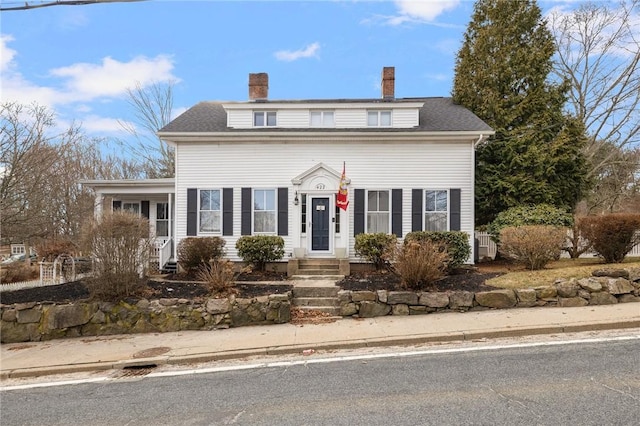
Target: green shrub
{"x": 193, "y": 252}
{"x": 612, "y": 235}
{"x": 540, "y": 214}
{"x": 455, "y": 242}
{"x": 260, "y": 249}
{"x": 533, "y": 245}
{"x": 420, "y": 263}
{"x": 375, "y": 248}
{"x": 120, "y": 244}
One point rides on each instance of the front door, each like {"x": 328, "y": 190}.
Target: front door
{"x": 320, "y": 212}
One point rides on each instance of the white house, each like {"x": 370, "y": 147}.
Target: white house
{"x": 274, "y": 167}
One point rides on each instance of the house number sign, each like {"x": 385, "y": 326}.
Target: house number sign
{"x": 320, "y": 186}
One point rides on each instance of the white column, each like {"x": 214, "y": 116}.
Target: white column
{"x": 97, "y": 205}
{"x": 172, "y": 233}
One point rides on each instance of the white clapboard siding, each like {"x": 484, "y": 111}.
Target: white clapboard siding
{"x": 240, "y": 118}
{"x": 291, "y": 118}
{"x": 426, "y": 165}
{"x": 405, "y": 117}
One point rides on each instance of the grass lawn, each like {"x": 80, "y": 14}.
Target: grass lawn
{"x": 517, "y": 276}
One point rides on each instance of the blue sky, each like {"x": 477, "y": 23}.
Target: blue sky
{"x": 79, "y": 60}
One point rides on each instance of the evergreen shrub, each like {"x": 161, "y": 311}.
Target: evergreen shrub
{"x": 194, "y": 252}
{"x": 539, "y": 214}
{"x": 260, "y": 249}
{"x": 376, "y": 248}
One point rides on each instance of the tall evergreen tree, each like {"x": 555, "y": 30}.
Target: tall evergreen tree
{"x": 501, "y": 75}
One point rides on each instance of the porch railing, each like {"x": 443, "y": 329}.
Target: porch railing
{"x": 165, "y": 252}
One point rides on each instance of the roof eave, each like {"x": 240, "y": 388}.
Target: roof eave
{"x": 249, "y": 136}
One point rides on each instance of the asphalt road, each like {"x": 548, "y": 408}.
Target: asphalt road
{"x": 577, "y": 384}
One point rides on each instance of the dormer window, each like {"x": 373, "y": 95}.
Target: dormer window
{"x": 322, "y": 119}
{"x": 379, "y": 118}
{"x": 264, "y": 118}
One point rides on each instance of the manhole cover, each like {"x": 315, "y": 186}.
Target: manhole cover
{"x": 147, "y": 353}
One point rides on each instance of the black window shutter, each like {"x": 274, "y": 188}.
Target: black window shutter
{"x": 283, "y": 211}
{"x": 454, "y": 210}
{"x": 245, "y": 202}
{"x": 358, "y": 211}
{"x": 144, "y": 208}
{"x": 396, "y": 212}
{"x": 416, "y": 210}
{"x": 227, "y": 211}
{"x": 192, "y": 212}
{"x": 117, "y": 205}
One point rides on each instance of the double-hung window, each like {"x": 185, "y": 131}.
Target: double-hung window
{"x": 264, "y": 118}
{"x": 131, "y": 208}
{"x": 162, "y": 220}
{"x": 378, "y": 211}
{"x": 264, "y": 211}
{"x": 379, "y": 118}
{"x": 322, "y": 119}
{"x": 210, "y": 210}
{"x": 436, "y": 212}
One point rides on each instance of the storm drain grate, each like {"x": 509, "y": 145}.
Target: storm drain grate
{"x": 136, "y": 370}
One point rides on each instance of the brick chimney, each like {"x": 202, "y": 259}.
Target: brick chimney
{"x": 258, "y": 86}
{"x": 388, "y": 82}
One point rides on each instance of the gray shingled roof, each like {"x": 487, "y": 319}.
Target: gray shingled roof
{"x": 436, "y": 115}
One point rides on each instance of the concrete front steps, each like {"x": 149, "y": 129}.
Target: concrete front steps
{"x": 318, "y": 267}
{"x": 314, "y": 286}
{"x": 317, "y": 298}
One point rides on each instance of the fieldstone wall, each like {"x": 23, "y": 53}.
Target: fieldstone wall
{"x": 24, "y": 322}
{"x": 603, "y": 288}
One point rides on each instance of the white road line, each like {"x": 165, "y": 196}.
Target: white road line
{"x": 385, "y": 355}
{"x": 50, "y": 384}
{"x": 332, "y": 359}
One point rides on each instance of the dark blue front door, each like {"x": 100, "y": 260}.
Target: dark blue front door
{"x": 320, "y": 224}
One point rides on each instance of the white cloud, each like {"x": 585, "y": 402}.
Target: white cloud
{"x": 97, "y": 124}
{"x": 420, "y": 11}
{"x": 6, "y": 54}
{"x": 111, "y": 78}
{"x": 426, "y": 10}
{"x": 73, "y": 88}
{"x": 289, "y": 55}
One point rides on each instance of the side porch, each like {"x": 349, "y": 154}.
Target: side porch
{"x": 153, "y": 199}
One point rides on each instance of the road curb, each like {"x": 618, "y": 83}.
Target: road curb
{"x": 299, "y": 348}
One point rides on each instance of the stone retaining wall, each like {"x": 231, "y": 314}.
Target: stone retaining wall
{"x": 604, "y": 288}
{"x": 25, "y": 322}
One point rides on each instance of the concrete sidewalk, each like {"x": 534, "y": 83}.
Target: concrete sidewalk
{"x": 120, "y": 351}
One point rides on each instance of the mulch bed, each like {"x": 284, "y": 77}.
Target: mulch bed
{"x": 461, "y": 280}
{"x": 250, "y": 285}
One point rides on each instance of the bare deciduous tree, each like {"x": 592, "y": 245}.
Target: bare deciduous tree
{"x": 40, "y": 170}
{"x": 152, "y": 107}
{"x": 27, "y": 156}
{"x": 598, "y": 52}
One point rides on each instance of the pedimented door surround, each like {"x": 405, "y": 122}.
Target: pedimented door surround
{"x": 320, "y": 184}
